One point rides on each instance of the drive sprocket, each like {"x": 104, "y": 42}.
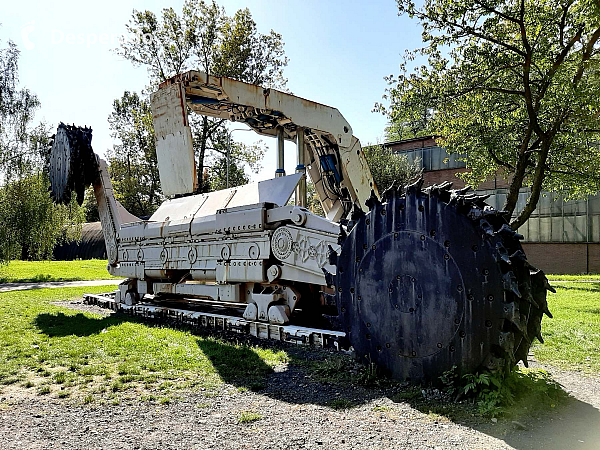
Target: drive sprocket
{"x": 72, "y": 165}
{"x": 434, "y": 279}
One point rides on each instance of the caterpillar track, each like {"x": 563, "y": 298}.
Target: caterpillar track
{"x": 434, "y": 278}
{"x": 427, "y": 280}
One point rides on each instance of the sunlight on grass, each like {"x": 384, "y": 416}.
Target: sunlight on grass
{"x": 572, "y": 337}
{"x": 39, "y": 271}
{"x": 574, "y": 277}
{"x": 92, "y": 354}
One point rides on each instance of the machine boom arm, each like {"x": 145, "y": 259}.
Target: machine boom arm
{"x": 334, "y": 158}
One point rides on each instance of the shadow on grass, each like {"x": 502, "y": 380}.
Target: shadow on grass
{"x": 335, "y": 381}
{"x": 236, "y": 364}
{"x": 587, "y": 287}
{"x": 60, "y": 324}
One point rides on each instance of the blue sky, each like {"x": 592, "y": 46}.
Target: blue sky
{"x": 339, "y": 52}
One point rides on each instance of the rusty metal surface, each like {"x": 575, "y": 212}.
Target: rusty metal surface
{"x": 428, "y": 280}
{"x": 72, "y": 164}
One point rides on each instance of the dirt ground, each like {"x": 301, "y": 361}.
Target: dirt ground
{"x": 292, "y": 411}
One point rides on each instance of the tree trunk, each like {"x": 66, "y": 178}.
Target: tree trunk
{"x": 536, "y": 188}
{"x": 515, "y": 185}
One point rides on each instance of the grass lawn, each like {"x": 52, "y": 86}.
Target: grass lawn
{"x": 572, "y": 337}
{"x": 574, "y": 277}
{"x": 24, "y": 271}
{"x": 52, "y": 350}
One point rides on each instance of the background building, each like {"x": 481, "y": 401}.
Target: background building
{"x": 560, "y": 236}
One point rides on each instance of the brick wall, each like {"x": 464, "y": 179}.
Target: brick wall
{"x": 439, "y": 176}
{"x": 564, "y": 258}
{"x": 411, "y": 144}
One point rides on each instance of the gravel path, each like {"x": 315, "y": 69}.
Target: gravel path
{"x": 213, "y": 422}
{"x": 294, "y": 414}
{"x": 6, "y": 287}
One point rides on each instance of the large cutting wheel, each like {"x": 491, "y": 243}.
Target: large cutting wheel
{"x": 72, "y": 165}
{"x": 432, "y": 279}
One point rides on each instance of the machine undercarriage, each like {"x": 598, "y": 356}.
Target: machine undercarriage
{"x": 417, "y": 281}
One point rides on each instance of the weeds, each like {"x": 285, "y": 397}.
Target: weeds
{"x": 249, "y": 417}
{"x": 505, "y": 394}
{"x": 381, "y": 408}
{"x": 340, "y": 404}
{"x": 43, "y": 390}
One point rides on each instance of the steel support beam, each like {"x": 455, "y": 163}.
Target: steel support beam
{"x": 280, "y": 172}
{"x": 301, "y": 168}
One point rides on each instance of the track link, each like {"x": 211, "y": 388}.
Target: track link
{"x": 201, "y": 319}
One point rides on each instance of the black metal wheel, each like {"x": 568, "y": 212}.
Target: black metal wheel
{"x": 434, "y": 279}
{"x": 72, "y": 165}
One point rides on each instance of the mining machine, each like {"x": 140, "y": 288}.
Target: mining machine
{"x": 414, "y": 280}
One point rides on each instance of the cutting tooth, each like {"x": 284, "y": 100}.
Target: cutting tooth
{"x": 512, "y": 314}
{"x": 445, "y": 186}
{"x": 521, "y": 354}
{"x": 414, "y": 188}
{"x": 332, "y": 256}
{"x": 507, "y": 343}
{"x": 534, "y": 327}
{"x": 507, "y": 231}
{"x": 328, "y": 277}
{"x": 343, "y": 235}
{"x": 475, "y": 213}
{"x": 518, "y": 256}
{"x": 486, "y": 227}
{"x": 464, "y": 190}
{"x": 390, "y": 192}
{"x": 509, "y": 281}
{"x": 531, "y": 300}
{"x": 329, "y": 299}
{"x": 502, "y": 253}
{"x": 357, "y": 212}
{"x": 548, "y": 286}
{"x": 372, "y": 201}
{"x": 493, "y": 363}
{"x": 539, "y": 283}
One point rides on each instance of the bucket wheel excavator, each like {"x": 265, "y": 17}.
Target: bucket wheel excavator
{"x": 415, "y": 280}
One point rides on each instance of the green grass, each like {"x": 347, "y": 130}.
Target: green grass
{"x": 37, "y": 271}
{"x": 115, "y": 357}
{"x": 341, "y": 404}
{"x": 249, "y": 417}
{"x": 572, "y": 337}
{"x": 574, "y": 277}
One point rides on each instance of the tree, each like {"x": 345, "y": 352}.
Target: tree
{"x": 17, "y": 107}
{"x": 388, "y": 167}
{"x": 512, "y": 85}
{"x": 313, "y": 203}
{"x": 205, "y": 38}
{"x": 133, "y": 164}
{"x": 30, "y": 224}
{"x": 218, "y": 174}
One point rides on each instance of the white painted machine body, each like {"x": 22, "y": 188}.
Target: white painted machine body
{"x": 242, "y": 245}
